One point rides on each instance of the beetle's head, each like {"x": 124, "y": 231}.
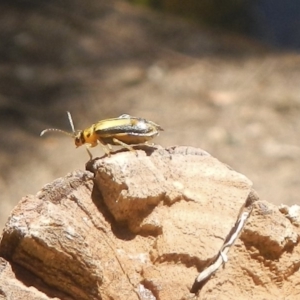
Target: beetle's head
{"x": 79, "y": 138}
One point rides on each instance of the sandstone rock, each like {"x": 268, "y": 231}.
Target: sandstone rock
{"x": 143, "y": 227}
{"x": 17, "y": 283}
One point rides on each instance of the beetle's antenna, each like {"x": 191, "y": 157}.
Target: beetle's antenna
{"x": 71, "y": 122}
{"x": 57, "y": 130}
{"x": 62, "y": 131}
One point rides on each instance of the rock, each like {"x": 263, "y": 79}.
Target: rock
{"x": 143, "y": 227}
{"x": 17, "y": 283}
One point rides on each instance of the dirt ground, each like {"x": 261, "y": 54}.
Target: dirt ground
{"x": 234, "y": 98}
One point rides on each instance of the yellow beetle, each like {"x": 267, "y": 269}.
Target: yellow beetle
{"x": 125, "y": 130}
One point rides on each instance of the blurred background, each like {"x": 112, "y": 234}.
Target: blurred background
{"x": 222, "y": 77}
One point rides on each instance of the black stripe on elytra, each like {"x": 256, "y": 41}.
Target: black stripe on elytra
{"x": 124, "y": 129}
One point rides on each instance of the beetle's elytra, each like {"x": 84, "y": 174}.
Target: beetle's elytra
{"x": 125, "y": 130}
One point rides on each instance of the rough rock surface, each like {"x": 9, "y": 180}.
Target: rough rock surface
{"x": 143, "y": 227}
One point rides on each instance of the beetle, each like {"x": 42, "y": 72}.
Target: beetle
{"x": 124, "y": 131}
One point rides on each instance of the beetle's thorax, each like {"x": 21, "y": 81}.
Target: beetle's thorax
{"x": 90, "y": 137}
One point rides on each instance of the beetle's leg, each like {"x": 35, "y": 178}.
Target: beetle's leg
{"x": 117, "y": 142}
{"x": 89, "y": 152}
{"x": 107, "y": 149}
